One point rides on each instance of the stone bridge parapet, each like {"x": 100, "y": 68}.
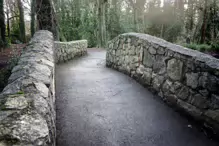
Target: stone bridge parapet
{"x": 65, "y": 51}
{"x": 184, "y": 78}
{"x": 27, "y": 103}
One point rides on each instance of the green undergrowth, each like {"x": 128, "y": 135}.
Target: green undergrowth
{"x": 198, "y": 47}
{"x": 203, "y": 47}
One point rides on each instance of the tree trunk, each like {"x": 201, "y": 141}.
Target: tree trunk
{"x": 203, "y": 29}
{"x": 114, "y": 24}
{"x": 2, "y": 24}
{"x": 214, "y": 22}
{"x": 179, "y": 13}
{"x": 135, "y": 13}
{"x": 140, "y": 14}
{"x": 46, "y": 17}
{"x": 102, "y": 22}
{"x": 21, "y": 21}
{"x": 164, "y": 22}
{"x": 8, "y": 24}
{"x": 32, "y": 23}
{"x": 135, "y": 19}
{"x": 181, "y": 9}
{"x": 191, "y": 23}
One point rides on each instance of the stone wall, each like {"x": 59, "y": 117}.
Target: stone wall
{"x": 68, "y": 50}
{"x": 27, "y": 103}
{"x": 184, "y": 78}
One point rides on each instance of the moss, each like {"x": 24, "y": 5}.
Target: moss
{"x": 3, "y": 107}
{"x": 20, "y": 92}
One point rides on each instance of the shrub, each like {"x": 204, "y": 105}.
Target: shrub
{"x": 191, "y": 46}
{"x": 204, "y": 47}
{"x": 199, "y": 47}
{"x": 215, "y": 46}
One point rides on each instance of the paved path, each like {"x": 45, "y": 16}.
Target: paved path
{"x": 97, "y": 106}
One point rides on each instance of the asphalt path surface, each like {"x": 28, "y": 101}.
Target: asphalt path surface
{"x": 98, "y": 106}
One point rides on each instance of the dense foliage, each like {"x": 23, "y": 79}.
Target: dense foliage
{"x": 98, "y": 21}
{"x": 178, "y": 21}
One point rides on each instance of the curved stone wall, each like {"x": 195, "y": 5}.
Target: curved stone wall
{"x": 65, "y": 51}
{"x": 183, "y": 77}
{"x": 27, "y": 103}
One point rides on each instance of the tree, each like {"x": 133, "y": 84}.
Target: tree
{"x": 8, "y": 18}
{"x": 189, "y": 24}
{"x": 46, "y": 17}
{"x": 102, "y": 6}
{"x": 21, "y": 21}
{"x": 2, "y": 24}
{"x": 156, "y": 22}
{"x": 214, "y": 19}
{"x": 138, "y": 13}
{"x": 173, "y": 20}
{"x": 203, "y": 28}
{"x": 33, "y": 10}
{"x": 113, "y": 25}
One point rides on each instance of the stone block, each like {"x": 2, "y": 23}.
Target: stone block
{"x": 152, "y": 50}
{"x": 132, "y": 50}
{"x": 203, "y": 80}
{"x": 140, "y": 70}
{"x": 176, "y": 87}
{"x": 171, "y": 99}
{"x": 16, "y": 102}
{"x": 192, "y": 110}
{"x": 192, "y": 80}
{"x": 213, "y": 84}
{"x": 166, "y": 86}
{"x": 199, "y": 101}
{"x": 157, "y": 81}
{"x": 159, "y": 65}
{"x": 215, "y": 101}
{"x": 204, "y": 92}
{"x": 175, "y": 69}
{"x": 183, "y": 93}
{"x": 212, "y": 114}
{"x": 161, "y": 51}
{"x": 148, "y": 59}
{"x": 147, "y": 75}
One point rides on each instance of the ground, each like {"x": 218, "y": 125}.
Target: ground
{"x": 4, "y": 59}
{"x": 8, "y": 52}
{"x": 102, "y": 107}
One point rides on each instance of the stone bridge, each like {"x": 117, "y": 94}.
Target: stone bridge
{"x": 53, "y": 100}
